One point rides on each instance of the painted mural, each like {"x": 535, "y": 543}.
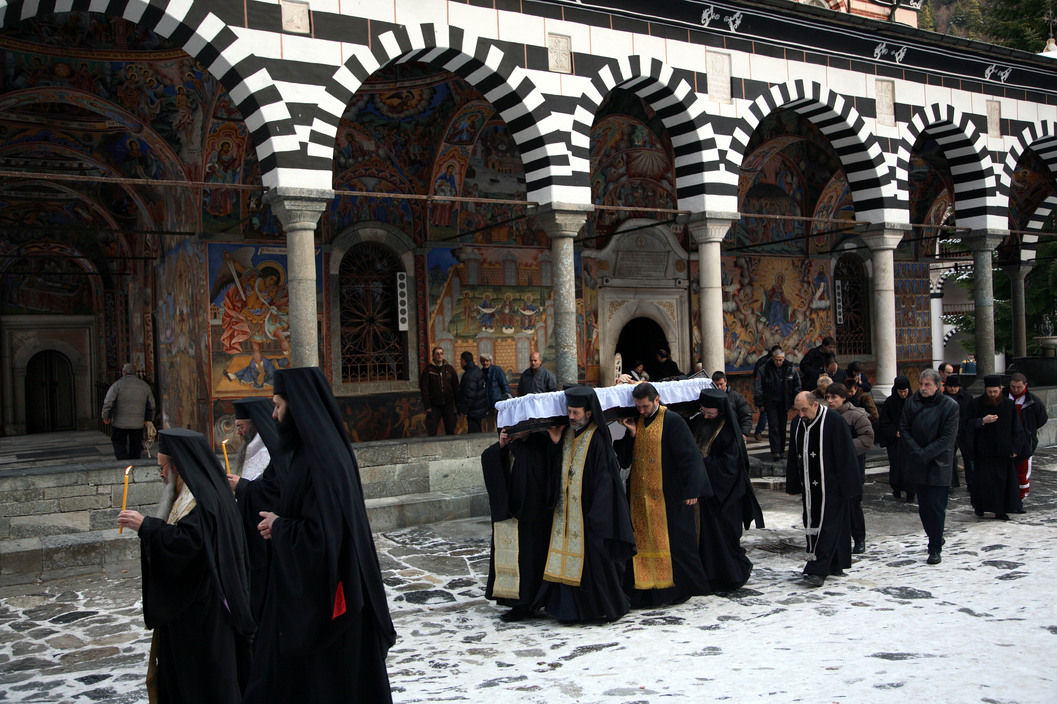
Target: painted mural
{"x": 913, "y": 312}
{"x": 183, "y": 338}
{"x": 47, "y": 278}
{"x": 498, "y": 301}
{"x": 774, "y": 301}
{"x": 413, "y": 130}
{"x": 249, "y": 324}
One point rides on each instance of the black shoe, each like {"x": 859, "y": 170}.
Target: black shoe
{"x": 859, "y": 548}
{"x": 934, "y": 557}
{"x": 814, "y": 580}
{"x": 1002, "y": 516}
{"x": 979, "y": 513}
{"x": 910, "y": 498}
{"x": 897, "y": 493}
{"x": 836, "y": 572}
{"x": 776, "y": 458}
{"x": 1020, "y": 510}
{"x": 518, "y": 613}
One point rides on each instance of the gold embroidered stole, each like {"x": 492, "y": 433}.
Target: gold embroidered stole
{"x": 565, "y": 557}
{"x": 649, "y": 519}
{"x": 507, "y": 584}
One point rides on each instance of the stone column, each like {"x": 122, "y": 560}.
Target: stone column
{"x": 983, "y": 244}
{"x": 708, "y": 230}
{"x": 1016, "y": 273}
{"x": 936, "y": 305}
{"x": 562, "y": 222}
{"x": 882, "y": 239}
{"x": 298, "y": 209}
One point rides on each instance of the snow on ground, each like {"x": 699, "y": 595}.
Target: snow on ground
{"x": 977, "y": 628}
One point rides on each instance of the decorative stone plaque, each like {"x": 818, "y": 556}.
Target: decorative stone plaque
{"x": 559, "y": 53}
{"x": 886, "y": 102}
{"x": 994, "y": 118}
{"x": 641, "y": 265}
{"x": 296, "y": 17}
{"x": 719, "y": 76}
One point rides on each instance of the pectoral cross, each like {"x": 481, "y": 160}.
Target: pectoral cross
{"x": 813, "y": 455}
{"x": 814, "y": 483}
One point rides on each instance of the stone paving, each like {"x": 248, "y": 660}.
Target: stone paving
{"x": 979, "y": 627}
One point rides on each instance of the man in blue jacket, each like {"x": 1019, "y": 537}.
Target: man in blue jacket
{"x": 496, "y": 385}
{"x": 473, "y": 397}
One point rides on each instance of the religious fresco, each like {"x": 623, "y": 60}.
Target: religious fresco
{"x": 249, "y": 314}
{"x": 632, "y": 164}
{"x": 183, "y": 338}
{"x": 773, "y": 301}
{"x": 47, "y": 278}
{"x": 913, "y": 312}
{"x": 835, "y": 203}
{"x": 498, "y": 301}
{"x": 411, "y": 129}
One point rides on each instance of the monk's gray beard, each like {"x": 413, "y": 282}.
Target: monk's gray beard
{"x": 168, "y": 498}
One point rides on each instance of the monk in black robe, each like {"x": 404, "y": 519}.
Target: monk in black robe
{"x": 823, "y": 468}
{"x": 733, "y": 505}
{"x": 667, "y": 477}
{"x": 590, "y": 538}
{"x": 325, "y": 627}
{"x": 517, "y": 476}
{"x": 888, "y": 436}
{"x": 994, "y": 437}
{"x": 261, "y": 494}
{"x": 195, "y": 579}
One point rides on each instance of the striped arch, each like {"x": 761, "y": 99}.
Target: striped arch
{"x": 208, "y": 40}
{"x": 700, "y": 184}
{"x": 482, "y": 64}
{"x": 1041, "y": 137}
{"x": 873, "y": 188}
{"x": 976, "y": 199}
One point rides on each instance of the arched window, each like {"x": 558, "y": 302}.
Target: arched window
{"x": 373, "y": 348}
{"x": 851, "y": 307}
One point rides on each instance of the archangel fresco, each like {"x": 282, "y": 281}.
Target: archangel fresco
{"x": 498, "y": 301}
{"x": 411, "y": 129}
{"x": 249, "y": 316}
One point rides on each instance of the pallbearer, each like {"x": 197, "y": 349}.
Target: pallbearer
{"x": 195, "y": 581}
{"x": 325, "y": 627}
{"x": 590, "y": 537}
{"x": 517, "y": 475}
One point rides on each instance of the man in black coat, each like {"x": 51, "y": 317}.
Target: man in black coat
{"x": 761, "y": 424}
{"x": 822, "y": 467}
{"x": 888, "y": 436}
{"x": 667, "y": 478}
{"x": 741, "y": 408}
{"x": 438, "y": 385}
{"x": 196, "y": 588}
{"x": 1033, "y": 415}
{"x": 952, "y": 386}
{"x": 518, "y": 483}
{"x": 776, "y": 386}
{"x": 473, "y": 394}
{"x": 994, "y": 439}
{"x": 928, "y": 431}
{"x": 814, "y": 362}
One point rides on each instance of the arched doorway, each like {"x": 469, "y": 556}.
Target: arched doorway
{"x": 49, "y": 393}
{"x": 639, "y": 340}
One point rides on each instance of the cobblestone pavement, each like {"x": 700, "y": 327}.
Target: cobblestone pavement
{"x": 980, "y": 627}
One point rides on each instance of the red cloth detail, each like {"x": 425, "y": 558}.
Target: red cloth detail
{"x": 339, "y": 601}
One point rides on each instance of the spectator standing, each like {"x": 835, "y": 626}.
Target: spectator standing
{"x": 860, "y": 399}
{"x": 952, "y": 386}
{"x": 761, "y": 424}
{"x": 536, "y": 379}
{"x": 496, "y": 385}
{"x": 862, "y": 438}
{"x": 438, "y": 384}
{"x": 737, "y": 402}
{"x": 994, "y": 440}
{"x": 776, "y": 388}
{"x": 814, "y": 362}
{"x": 473, "y": 393}
{"x": 665, "y": 368}
{"x": 1032, "y": 412}
{"x": 928, "y": 431}
{"x": 128, "y": 405}
{"x": 888, "y": 437}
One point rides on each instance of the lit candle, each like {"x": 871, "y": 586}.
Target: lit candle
{"x": 226, "y": 463}
{"x": 124, "y": 497}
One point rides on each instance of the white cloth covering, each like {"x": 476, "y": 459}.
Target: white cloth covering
{"x": 257, "y": 459}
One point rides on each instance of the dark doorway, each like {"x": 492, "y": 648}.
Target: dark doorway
{"x": 639, "y": 340}
{"x": 49, "y": 393}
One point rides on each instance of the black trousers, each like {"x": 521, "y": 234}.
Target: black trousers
{"x": 932, "y": 509}
{"x": 128, "y": 443}
{"x": 777, "y": 418}
{"x": 438, "y": 413}
{"x": 858, "y": 520}
{"x": 473, "y": 425}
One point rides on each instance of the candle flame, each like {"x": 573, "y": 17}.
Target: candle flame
{"x": 225, "y": 441}
{"x": 127, "y": 470}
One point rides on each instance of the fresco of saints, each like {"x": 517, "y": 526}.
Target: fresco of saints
{"x": 256, "y": 309}
{"x": 223, "y": 167}
{"x": 528, "y": 313}
{"x": 440, "y": 211}
{"x": 487, "y": 317}
{"x": 776, "y": 307}
{"x": 506, "y": 314}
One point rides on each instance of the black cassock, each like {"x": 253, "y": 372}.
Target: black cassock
{"x": 887, "y": 432}
{"x": 989, "y": 447}
{"x": 683, "y": 478}
{"x": 517, "y": 478}
{"x": 823, "y": 468}
{"x": 608, "y": 538}
{"x": 732, "y": 507}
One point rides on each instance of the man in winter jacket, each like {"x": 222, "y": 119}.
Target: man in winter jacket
{"x": 127, "y": 406}
{"x": 1033, "y": 416}
{"x": 473, "y": 394}
{"x": 928, "y": 431}
{"x": 497, "y": 387}
{"x": 862, "y": 439}
{"x": 439, "y": 383}
{"x": 776, "y": 388}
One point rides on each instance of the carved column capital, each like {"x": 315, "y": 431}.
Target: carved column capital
{"x": 710, "y": 226}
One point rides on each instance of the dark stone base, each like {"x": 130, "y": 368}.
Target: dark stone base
{"x": 1041, "y": 371}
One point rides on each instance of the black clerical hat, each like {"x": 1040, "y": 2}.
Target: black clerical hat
{"x": 901, "y": 382}
{"x": 259, "y": 410}
{"x": 242, "y": 411}
{"x": 953, "y": 380}
{"x": 992, "y": 380}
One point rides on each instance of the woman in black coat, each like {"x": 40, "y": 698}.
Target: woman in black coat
{"x": 888, "y": 435}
